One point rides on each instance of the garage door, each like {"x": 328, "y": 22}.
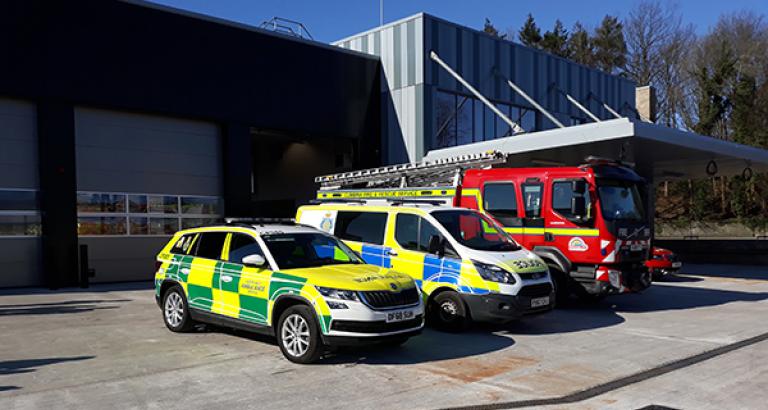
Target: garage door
{"x": 139, "y": 179}
{"x": 19, "y": 216}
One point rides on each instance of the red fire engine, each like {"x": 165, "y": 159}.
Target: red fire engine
{"x": 588, "y": 222}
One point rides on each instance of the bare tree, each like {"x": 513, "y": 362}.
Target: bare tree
{"x": 658, "y": 44}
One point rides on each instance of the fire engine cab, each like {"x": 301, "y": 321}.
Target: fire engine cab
{"x": 588, "y": 222}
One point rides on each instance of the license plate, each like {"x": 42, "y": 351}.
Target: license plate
{"x": 539, "y": 302}
{"x": 636, "y": 247}
{"x": 677, "y": 264}
{"x": 399, "y": 316}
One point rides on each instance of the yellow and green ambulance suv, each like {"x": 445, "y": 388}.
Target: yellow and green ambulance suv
{"x": 465, "y": 264}
{"x": 295, "y": 282}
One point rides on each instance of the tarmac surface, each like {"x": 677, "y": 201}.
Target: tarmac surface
{"x": 696, "y": 341}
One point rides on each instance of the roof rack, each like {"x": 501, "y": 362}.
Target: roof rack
{"x": 260, "y": 221}
{"x": 425, "y": 173}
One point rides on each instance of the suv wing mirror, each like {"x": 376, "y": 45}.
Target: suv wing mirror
{"x": 254, "y": 260}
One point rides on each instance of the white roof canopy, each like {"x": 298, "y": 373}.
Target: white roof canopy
{"x": 659, "y": 152}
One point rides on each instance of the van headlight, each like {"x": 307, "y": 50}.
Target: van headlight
{"x": 493, "y": 273}
{"x": 338, "y": 293}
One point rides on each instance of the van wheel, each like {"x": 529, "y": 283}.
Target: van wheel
{"x": 562, "y": 285}
{"x": 298, "y": 335}
{"x": 448, "y": 312}
{"x": 176, "y": 311}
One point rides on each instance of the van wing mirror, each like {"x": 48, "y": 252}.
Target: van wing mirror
{"x": 436, "y": 245}
{"x": 254, "y": 260}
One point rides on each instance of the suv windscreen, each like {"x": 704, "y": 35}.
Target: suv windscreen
{"x": 475, "y": 230}
{"x": 308, "y": 250}
{"x": 620, "y": 200}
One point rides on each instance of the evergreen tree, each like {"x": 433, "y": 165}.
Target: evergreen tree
{"x": 489, "y": 28}
{"x": 712, "y": 99}
{"x": 556, "y": 41}
{"x": 580, "y": 48}
{"x": 610, "y": 47}
{"x": 529, "y": 34}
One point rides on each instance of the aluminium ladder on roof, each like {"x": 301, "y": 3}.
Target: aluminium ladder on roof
{"x": 426, "y": 173}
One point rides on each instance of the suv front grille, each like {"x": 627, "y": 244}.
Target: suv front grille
{"x": 385, "y": 299}
{"x": 355, "y": 326}
{"x": 538, "y": 290}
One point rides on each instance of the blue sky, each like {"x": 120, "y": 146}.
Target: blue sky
{"x": 330, "y": 20}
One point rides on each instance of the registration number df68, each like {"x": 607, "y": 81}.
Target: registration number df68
{"x": 399, "y": 316}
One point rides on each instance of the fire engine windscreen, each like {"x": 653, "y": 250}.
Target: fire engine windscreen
{"x": 475, "y": 231}
{"x": 620, "y": 200}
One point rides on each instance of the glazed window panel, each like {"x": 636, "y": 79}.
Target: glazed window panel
{"x": 101, "y": 225}
{"x": 162, "y": 204}
{"x": 101, "y": 202}
{"x": 21, "y": 200}
{"x": 20, "y": 225}
{"x": 200, "y": 205}
{"x": 163, "y": 226}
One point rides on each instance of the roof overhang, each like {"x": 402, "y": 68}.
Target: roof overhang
{"x": 659, "y": 152}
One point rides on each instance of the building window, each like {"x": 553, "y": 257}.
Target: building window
{"x": 19, "y": 212}
{"x": 462, "y": 119}
{"x": 446, "y": 120}
{"x": 108, "y": 213}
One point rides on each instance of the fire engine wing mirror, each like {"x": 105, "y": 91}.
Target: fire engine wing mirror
{"x": 254, "y": 260}
{"x": 579, "y": 186}
{"x": 436, "y": 245}
{"x": 579, "y": 207}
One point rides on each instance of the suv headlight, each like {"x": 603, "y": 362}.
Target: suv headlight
{"x": 493, "y": 273}
{"x": 338, "y": 293}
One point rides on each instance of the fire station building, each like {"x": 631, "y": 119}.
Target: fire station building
{"x": 123, "y": 121}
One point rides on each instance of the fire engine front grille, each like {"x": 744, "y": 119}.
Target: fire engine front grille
{"x": 386, "y": 299}
{"x": 538, "y": 290}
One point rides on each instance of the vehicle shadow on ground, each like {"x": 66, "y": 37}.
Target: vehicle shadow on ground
{"x": 11, "y": 367}
{"x": 678, "y": 278}
{"x": 661, "y": 297}
{"x": 59, "y": 308}
{"x": 94, "y": 288}
{"x": 575, "y": 316}
{"x": 431, "y": 346}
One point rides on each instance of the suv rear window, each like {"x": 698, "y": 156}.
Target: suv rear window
{"x": 181, "y": 247}
{"x": 210, "y": 244}
{"x": 361, "y": 226}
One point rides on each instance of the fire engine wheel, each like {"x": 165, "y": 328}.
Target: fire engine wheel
{"x": 447, "y": 312}
{"x": 562, "y": 285}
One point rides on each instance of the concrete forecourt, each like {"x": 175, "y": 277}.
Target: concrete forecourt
{"x": 697, "y": 340}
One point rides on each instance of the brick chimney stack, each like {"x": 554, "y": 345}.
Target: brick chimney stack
{"x": 645, "y": 101}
